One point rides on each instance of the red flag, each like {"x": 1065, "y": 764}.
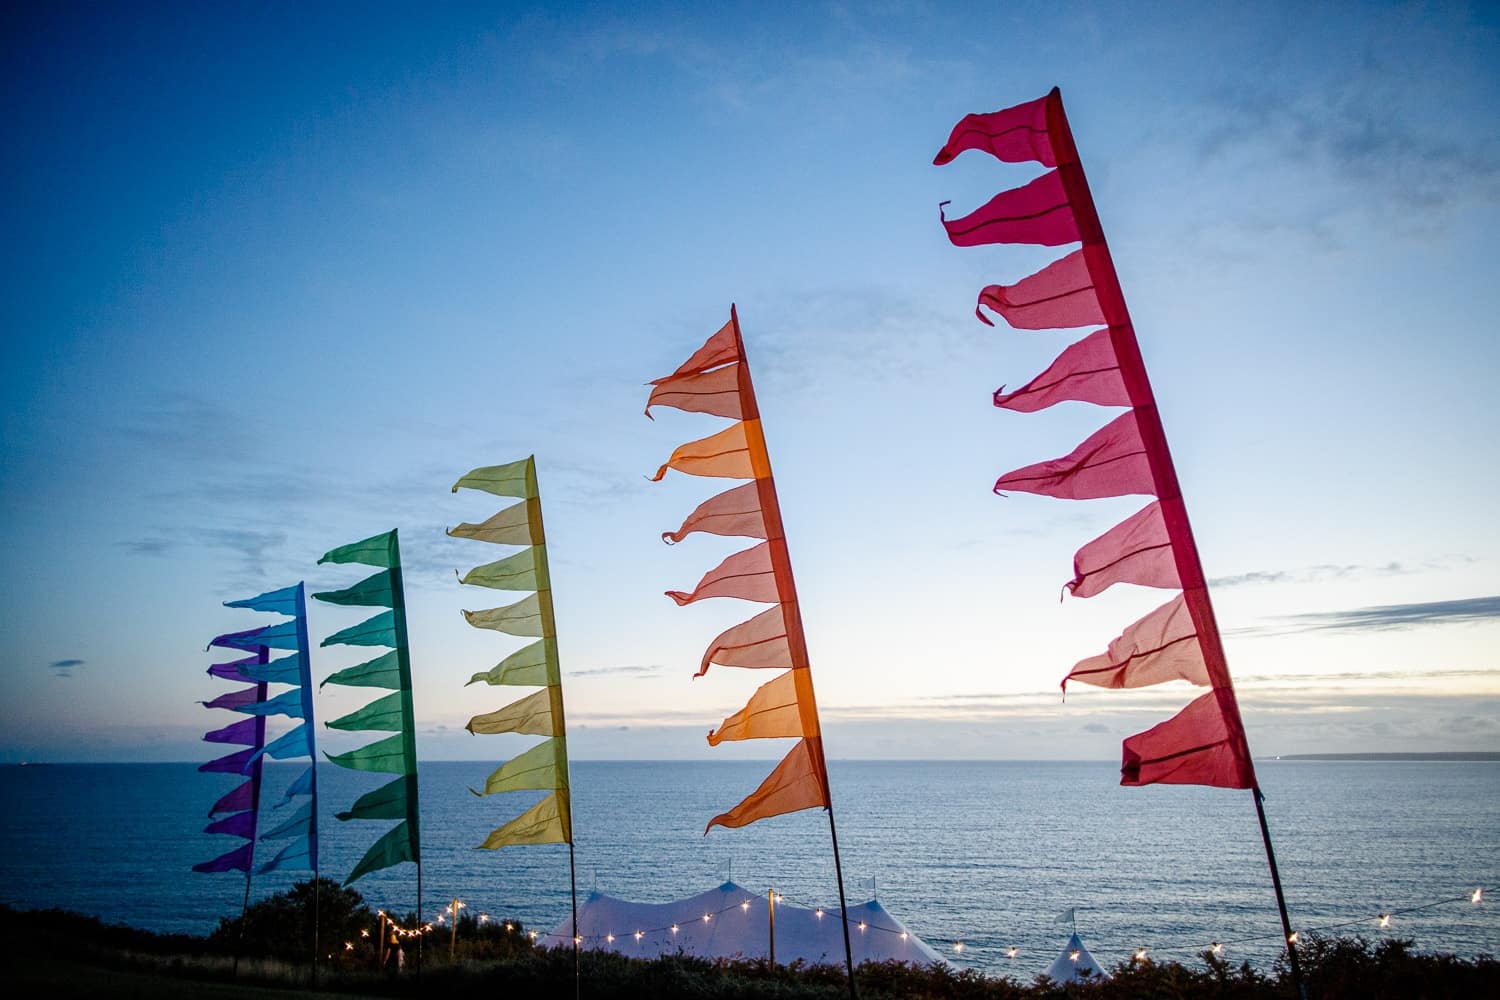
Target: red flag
{"x": 734, "y": 512}
{"x": 1111, "y": 463}
{"x": 1137, "y": 550}
{"x": 1015, "y": 135}
{"x": 720, "y": 349}
{"x": 1194, "y": 747}
{"x": 759, "y": 642}
{"x": 1161, "y": 647}
{"x": 1059, "y": 295}
{"x": 1086, "y": 372}
{"x": 1034, "y": 213}
{"x": 792, "y": 786}
{"x": 747, "y": 575}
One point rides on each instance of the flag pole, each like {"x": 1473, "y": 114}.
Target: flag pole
{"x": 786, "y": 588}
{"x": 1106, "y": 282}
{"x": 573, "y": 886}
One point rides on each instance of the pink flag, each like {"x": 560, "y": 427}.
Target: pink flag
{"x": 734, "y": 512}
{"x": 747, "y": 575}
{"x": 759, "y": 642}
{"x": 1137, "y": 550}
{"x": 1111, "y": 463}
{"x": 1035, "y": 213}
{"x": 1161, "y": 647}
{"x": 1059, "y": 295}
{"x": 1086, "y": 372}
{"x": 1015, "y": 135}
{"x": 1194, "y": 747}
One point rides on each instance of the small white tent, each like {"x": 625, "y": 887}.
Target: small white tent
{"x": 1074, "y": 963}
{"x": 732, "y": 922}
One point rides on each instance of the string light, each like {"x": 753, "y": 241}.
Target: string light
{"x": 904, "y": 935}
{"x": 578, "y": 940}
{"x": 705, "y": 918}
{"x": 819, "y": 913}
{"x": 1140, "y": 954}
{"x": 1385, "y": 921}
{"x": 610, "y": 938}
{"x": 958, "y": 946}
{"x": 639, "y": 935}
{"x": 861, "y": 926}
{"x": 364, "y": 932}
{"x": 348, "y": 945}
{"x": 1291, "y": 938}
{"x": 745, "y": 906}
{"x": 1010, "y": 952}
{"x": 533, "y": 935}
{"x": 1478, "y": 895}
{"x": 510, "y": 926}
{"x": 674, "y": 928}
{"x": 1216, "y": 947}
{"x": 1072, "y": 956}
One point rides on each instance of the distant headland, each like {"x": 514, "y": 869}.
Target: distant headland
{"x": 1459, "y": 755}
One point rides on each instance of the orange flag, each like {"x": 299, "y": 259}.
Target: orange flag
{"x": 792, "y": 786}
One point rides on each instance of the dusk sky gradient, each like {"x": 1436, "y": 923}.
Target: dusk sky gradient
{"x": 276, "y": 275}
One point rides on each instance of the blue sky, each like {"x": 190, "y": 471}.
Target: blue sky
{"x": 277, "y": 275}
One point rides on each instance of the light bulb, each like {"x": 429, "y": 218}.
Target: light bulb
{"x": 1216, "y": 947}
{"x": 705, "y": 918}
{"x": 819, "y": 913}
{"x": 674, "y": 928}
{"x": 1072, "y": 956}
{"x": 958, "y": 946}
{"x": 745, "y": 905}
{"x": 903, "y": 935}
{"x": 861, "y": 926}
{"x": 1385, "y": 920}
{"x": 1478, "y": 895}
{"x": 348, "y": 945}
{"x": 610, "y": 938}
{"x": 1010, "y": 952}
{"x": 1140, "y": 955}
{"x": 1291, "y": 938}
{"x": 639, "y": 935}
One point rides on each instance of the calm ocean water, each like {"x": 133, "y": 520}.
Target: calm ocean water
{"x": 983, "y": 852}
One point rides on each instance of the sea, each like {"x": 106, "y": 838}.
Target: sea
{"x": 986, "y": 855}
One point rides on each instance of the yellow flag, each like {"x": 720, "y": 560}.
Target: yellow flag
{"x": 548, "y": 822}
{"x": 531, "y": 716}
{"x": 542, "y": 767}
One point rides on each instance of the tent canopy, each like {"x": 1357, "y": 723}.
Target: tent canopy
{"x": 1074, "y": 963}
{"x": 738, "y": 927}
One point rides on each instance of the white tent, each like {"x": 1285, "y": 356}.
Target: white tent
{"x": 1074, "y": 963}
{"x": 732, "y": 922}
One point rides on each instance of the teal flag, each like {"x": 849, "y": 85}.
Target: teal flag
{"x": 382, "y": 672}
{"x": 377, "y": 631}
{"x": 377, "y": 550}
{"x": 372, "y": 591}
{"x": 398, "y": 845}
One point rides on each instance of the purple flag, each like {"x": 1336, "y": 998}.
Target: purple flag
{"x": 243, "y": 732}
{"x": 237, "y": 860}
{"x": 236, "y": 700}
{"x": 240, "y": 799}
{"x": 231, "y": 671}
{"x": 241, "y": 824}
{"x": 235, "y": 763}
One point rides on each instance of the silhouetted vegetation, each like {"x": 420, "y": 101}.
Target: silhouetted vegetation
{"x": 491, "y": 959}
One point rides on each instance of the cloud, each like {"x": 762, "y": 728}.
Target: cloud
{"x": 148, "y": 546}
{"x": 1382, "y": 617}
{"x": 634, "y": 670}
{"x": 1311, "y": 574}
{"x": 64, "y": 668}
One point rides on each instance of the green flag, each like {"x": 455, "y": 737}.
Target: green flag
{"x": 377, "y": 631}
{"x": 386, "y": 802}
{"x": 388, "y": 755}
{"x": 392, "y": 849}
{"x": 382, "y": 672}
{"x": 377, "y": 550}
{"x": 372, "y": 591}
{"x": 383, "y": 713}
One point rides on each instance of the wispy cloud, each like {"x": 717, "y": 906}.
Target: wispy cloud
{"x": 149, "y": 547}
{"x": 64, "y": 668}
{"x": 1382, "y": 617}
{"x": 630, "y": 670}
{"x": 1311, "y": 574}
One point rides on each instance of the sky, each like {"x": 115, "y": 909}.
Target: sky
{"x": 277, "y": 275}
